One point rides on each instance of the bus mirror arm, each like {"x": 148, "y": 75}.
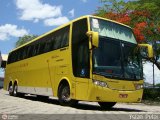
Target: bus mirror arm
{"x": 93, "y": 37}
{"x": 148, "y": 49}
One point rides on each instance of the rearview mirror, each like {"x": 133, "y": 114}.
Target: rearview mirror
{"x": 146, "y": 50}
{"x": 94, "y": 37}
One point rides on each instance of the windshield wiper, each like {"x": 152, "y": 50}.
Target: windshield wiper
{"x": 104, "y": 74}
{"x": 108, "y": 75}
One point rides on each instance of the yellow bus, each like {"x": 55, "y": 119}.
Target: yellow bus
{"x": 88, "y": 59}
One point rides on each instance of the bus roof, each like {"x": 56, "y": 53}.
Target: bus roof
{"x": 86, "y": 16}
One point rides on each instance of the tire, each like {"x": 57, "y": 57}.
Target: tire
{"x": 64, "y": 96}
{"x": 16, "y": 93}
{"x": 106, "y": 105}
{"x": 10, "y": 90}
{"x": 15, "y": 90}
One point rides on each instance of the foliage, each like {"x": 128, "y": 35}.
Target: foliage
{"x": 151, "y": 94}
{"x": 141, "y": 15}
{"x": 158, "y": 85}
{"x": 24, "y": 39}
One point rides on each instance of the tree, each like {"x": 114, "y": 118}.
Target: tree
{"x": 141, "y": 15}
{"x": 24, "y": 39}
{"x": 148, "y": 11}
{"x": 158, "y": 85}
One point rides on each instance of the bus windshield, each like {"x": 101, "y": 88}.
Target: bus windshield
{"x": 117, "y": 55}
{"x": 112, "y": 30}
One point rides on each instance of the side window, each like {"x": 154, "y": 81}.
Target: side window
{"x": 14, "y": 56}
{"x": 53, "y": 41}
{"x": 48, "y": 43}
{"x": 10, "y": 58}
{"x": 57, "y": 41}
{"x": 52, "y": 38}
{"x": 42, "y": 46}
{"x": 65, "y": 37}
{"x": 19, "y": 55}
{"x": 61, "y": 38}
{"x": 25, "y": 52}
{"x": 30, "y": 51}
{"x": 35, "y": 50}
{"x": 80, "y": 49}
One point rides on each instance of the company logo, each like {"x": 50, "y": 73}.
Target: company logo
{"x": 4, "y": 117}
{"x": 9, "y": 117}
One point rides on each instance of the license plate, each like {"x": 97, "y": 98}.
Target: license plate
{"x": 123, "y": 95}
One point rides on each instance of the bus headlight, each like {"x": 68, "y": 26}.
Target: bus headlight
{"x": 138, "y": 86}
{"x": 100, "y": 83}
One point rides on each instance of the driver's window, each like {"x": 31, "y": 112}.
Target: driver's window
{"x": 80, "y": 49}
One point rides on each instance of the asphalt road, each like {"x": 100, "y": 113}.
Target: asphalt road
{"x": 30, "y": 107}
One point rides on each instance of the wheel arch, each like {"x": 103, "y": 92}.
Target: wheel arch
{"x": 64, "y": 80}
{"x": 10, "y": 84}
{"x": 15, "y": 81}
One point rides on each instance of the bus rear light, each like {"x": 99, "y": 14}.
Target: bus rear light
{"x": 100, "y": 83}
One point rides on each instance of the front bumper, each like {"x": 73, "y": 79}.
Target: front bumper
{"x": 103, "y": 94}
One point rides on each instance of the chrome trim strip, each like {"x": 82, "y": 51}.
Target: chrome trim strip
{"x": 36, "y": 90}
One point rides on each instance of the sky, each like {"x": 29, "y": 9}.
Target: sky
{"x": 22, "y": 17}
{"x": 148, "y": 73}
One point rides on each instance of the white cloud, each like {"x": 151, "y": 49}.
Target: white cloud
{"x": 56, "y": 21}
{"x": 36, "y": 10}
{"x": 9, "y": 30}
{"x": 71, "y": 12}
{"x": 148, "y": 72}
{"x": 4, "y": 56}
{"x": 36, "y": 20}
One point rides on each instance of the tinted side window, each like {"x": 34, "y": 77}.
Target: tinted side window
{"x": 10, "y": 58}
{"x": 53, "y": 41}
{"x": 57, "y": 40}
{"x": 24, "y": 52}
{"x": 65, "y": 37}
{"x": 61, "y": 38}
{"x": 80, "y": 49}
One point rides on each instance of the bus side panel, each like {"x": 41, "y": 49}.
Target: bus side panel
{"x": 31, "y": 74}
{"x": 59, "y": 68}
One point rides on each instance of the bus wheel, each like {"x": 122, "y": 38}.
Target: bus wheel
{"x": 64, "y": 96}
{"x": 10, "y": 90}
{"x": 16, "y": 93}
{"x": 106, "y": 105}
{"x": 15, "y": 88}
